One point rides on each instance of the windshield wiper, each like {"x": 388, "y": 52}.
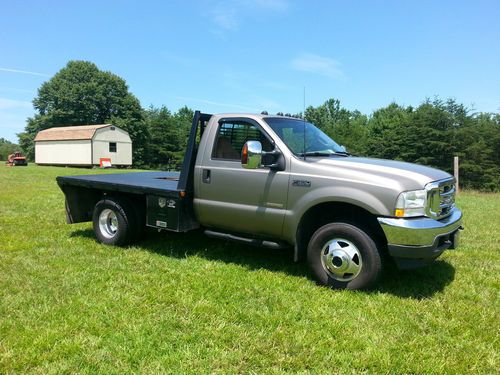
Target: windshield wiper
{"x": 342, "y": 153}
{"x": 324, "y": 153}
{"x": 316, "y": 153}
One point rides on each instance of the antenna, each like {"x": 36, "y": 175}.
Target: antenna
{"x": 304, "y": 123}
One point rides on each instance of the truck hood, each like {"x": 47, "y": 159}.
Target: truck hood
{"x": 382, "y": 172}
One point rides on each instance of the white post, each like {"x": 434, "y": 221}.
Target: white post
{"x": 455, "y": 171}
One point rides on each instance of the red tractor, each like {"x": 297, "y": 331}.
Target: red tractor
{"x": 16, "y": 159}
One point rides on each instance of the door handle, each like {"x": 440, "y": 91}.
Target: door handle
{"x": 206, "y": 176}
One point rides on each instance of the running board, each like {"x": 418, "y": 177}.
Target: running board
{"x": 247, "y": 241}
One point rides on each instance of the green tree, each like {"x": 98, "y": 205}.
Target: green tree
{"x": 81, "y": 94}
{"x": 386, "y": 128}
{"x": 168, "y": 136}
{"x": 346, "y": 127}
{"x": 477, "y": 143}
{"x": 7, "y": 148}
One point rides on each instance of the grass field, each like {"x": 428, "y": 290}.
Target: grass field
{"x": 184, "y": 303}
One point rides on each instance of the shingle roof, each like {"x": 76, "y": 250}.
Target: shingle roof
{"x": 68, "y": 133}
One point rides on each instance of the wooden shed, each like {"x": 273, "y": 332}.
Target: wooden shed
{"x": 83, "y": 145}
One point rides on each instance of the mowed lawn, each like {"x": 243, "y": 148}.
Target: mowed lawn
{"x": 184, "y": 303}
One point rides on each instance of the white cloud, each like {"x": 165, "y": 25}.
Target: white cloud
{"x": 24, "y": 72}
{"x": 325, "y": 66}
{"x": 227, "y": 14}
{"x": 225, "y": 17}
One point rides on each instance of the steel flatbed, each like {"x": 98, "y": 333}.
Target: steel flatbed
{"x": 160, "y": 200}
{"x": 160, "y": 183}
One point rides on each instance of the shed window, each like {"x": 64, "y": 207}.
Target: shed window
{"x": 112, "y": 146}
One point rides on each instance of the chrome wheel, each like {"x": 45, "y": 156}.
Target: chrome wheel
{"x": 108, "y": 223}
{"x": 341, "y": 259}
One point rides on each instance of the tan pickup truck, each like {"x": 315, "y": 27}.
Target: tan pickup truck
{"x": 279, "y": 181}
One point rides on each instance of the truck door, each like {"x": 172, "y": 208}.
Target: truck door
{"x": 231, "y": 197}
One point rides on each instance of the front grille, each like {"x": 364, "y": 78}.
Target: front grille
{"x": 440, "y": 198}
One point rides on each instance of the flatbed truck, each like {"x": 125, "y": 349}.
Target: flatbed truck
{"x": 277, "y": 182}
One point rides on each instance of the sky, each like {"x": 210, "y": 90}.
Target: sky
{"x": 255, "y": 55}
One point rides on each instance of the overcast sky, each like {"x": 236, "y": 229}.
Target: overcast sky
{"x": 244, "y": 55}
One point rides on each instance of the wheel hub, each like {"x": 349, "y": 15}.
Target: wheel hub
{"x": 341, "y": 259}
{"x": 108, "y": 223}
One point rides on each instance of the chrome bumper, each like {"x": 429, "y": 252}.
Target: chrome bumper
{"x": 421, "y": 238}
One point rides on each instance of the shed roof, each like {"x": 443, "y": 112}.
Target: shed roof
{"x": 66, "y": 133}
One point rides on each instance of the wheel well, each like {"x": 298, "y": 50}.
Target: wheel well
{"x": 330, "y": 212}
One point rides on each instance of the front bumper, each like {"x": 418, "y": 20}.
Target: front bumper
{"x": 414, "y": 242}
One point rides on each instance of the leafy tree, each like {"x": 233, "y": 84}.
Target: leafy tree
{"x": 477, "y": 143}
{"x": 345, "y": 127}
{"x": 7, "y": 148}
{"x": 386, "y": 138}
{"x": 81, "y": 94}
{"x": 168, "y": 136}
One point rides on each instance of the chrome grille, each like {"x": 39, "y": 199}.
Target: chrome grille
{"x": 440, "y": 198}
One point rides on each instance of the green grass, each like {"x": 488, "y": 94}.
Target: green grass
{"x": 184, "y": 303}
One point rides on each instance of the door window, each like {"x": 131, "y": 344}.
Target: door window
{"x": 232, "y": 135}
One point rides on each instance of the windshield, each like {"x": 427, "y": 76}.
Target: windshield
{"x": 291, "y": 131}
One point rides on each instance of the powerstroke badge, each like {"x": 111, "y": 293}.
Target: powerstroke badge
{"x": 301, "y": 183}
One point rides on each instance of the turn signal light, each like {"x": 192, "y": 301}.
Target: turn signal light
{"x": 399, "y": 212}
{"x": 244, "y": 154}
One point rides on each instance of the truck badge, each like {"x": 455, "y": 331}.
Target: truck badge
{"x": 162, "y": 202}
{"x": 301, "y": 183}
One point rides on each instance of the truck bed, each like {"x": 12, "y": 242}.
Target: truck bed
{"x": 165, "y": 198}
{"x": 135, "y": 182}
{"x": 156, "y": 192}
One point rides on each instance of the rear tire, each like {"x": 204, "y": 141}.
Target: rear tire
{"x": 114, "y": 222}
{"x": 343, "y": 256}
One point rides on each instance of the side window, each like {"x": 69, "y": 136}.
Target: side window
{"x": 112, "y": 146}
{"x": 232, "y": 135}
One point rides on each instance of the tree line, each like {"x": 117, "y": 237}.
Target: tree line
{"x": 430, "y": 134}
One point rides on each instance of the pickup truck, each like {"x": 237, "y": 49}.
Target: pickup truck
{"x": 280, "y": 182}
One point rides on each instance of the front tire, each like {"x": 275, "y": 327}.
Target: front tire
{"x": 114, "y": 222}
{"x": 344, "y": 256}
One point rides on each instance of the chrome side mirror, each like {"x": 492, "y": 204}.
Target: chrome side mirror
{"x": 251, "y": 155}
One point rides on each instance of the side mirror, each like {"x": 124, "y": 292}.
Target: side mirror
{"x": 251, "y": 155}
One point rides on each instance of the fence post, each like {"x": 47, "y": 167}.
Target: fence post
{"x": 455, "y": 171}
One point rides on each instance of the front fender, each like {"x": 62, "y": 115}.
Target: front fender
{"x": 328, "y": 194}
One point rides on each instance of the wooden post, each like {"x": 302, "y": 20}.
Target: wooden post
{"x": 455, "y": 171}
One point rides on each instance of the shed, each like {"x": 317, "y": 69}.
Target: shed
{"x": 83, "y": 145}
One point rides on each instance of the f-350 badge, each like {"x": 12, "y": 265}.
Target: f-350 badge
{"x": 301, "y": 183}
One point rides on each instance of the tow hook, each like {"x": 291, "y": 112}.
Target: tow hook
{"x": 455, "y": 238}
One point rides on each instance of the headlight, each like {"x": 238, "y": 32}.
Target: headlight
{"x": 411, "y": 203}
